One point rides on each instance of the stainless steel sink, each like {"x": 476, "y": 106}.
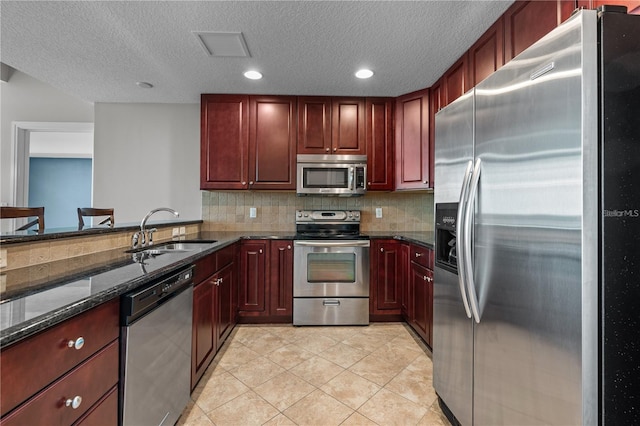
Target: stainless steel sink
{"x": 174, "y": 247}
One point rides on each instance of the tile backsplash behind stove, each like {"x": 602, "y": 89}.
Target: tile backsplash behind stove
{"x": 230, "y": 210}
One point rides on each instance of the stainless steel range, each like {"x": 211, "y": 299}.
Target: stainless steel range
{"x": 330, "y": 269}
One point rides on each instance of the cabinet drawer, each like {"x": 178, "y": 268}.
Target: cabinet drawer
{"x": 32, "y": 364}
{"x": 204, "y": 268}
{"x": 89, "y": 381}
{"x": 422, "y": 256}
{"x": 225, "y": 256}
{"x": 104, "y": 413}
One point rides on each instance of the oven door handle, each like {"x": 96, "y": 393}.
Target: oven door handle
{"x": 333, "y": 243}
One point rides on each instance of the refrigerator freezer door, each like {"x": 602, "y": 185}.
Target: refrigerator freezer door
{"x": 534, "y": 138}
{"x": 452, "y": 328}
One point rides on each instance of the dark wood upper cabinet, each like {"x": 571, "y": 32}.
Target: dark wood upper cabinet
{"x": 487, "y": 54}
{"x": 314, "y": 125}
{"x": 224, "y": 135}
{"x": 412, "y": 141}
{"x": 456, "y": 80}
{"x": 379, "y": 136}
{"x": 272, "y": 142}
{"x": 436, "y": 103}
{"x": 331, "y": 125}
{"x": 526, "y": 22}
{"x": 347, "y": 126}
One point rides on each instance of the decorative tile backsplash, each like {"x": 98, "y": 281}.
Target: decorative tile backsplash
{"x": 229, "y": 210}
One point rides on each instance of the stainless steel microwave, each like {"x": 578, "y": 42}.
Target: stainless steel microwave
{"x": 332, "y": 175}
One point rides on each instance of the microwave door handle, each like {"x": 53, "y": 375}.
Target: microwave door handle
{"x": 352, "y": 179}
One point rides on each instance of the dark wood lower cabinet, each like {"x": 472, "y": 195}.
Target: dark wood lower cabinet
{"x": 214, "y": 308}
{"x": 266, "y": 281}
{"x": 281, "y": 279}
{"x": 388, "y": 273}
{"x": 421, "y": 287}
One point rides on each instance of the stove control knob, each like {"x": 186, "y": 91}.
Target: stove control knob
{"x": 350, "y": 214}
{"x": 306, "y": 215}
{"x": 299, "y": 214}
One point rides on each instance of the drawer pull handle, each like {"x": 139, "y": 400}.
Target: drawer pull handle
{"x": 418, "y": 254}
{"x": 331, "y": 302}
{"x": 77, "y": 344}
{"x": 74, "y": 403}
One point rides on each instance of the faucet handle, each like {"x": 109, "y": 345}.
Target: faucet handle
{"x": 134, "y": 239}
{"x": 150, "y": 236}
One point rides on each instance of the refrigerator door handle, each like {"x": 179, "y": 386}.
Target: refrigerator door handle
{"x": 460, "y": 243}
{"x": 467, "y": 259}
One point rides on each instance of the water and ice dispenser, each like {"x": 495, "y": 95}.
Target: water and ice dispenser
{"x": 446, "y": 248}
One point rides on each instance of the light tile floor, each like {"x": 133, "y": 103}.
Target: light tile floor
{"x": 379, "y": 374}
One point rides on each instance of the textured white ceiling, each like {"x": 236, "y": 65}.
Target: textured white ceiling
{"x": 98, "y": 50}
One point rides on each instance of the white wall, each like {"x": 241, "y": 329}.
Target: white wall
{"x": 24, "y": 98}
{"x": 147, "y": 156}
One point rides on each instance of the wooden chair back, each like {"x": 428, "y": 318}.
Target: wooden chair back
{"x": 90, "y": 211}
{"x": 20, "y": 212}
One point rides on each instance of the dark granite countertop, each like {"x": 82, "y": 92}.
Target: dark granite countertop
{"x": 105, "y": 276}
{"x": 57, "y": 233}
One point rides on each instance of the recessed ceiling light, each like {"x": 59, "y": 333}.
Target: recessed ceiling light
{"x": 144, "y": 85}
{"x": 253, "y": 75}
{"x": 364, "y": 73}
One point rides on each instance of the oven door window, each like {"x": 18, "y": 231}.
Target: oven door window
{"x": 331, "y": 268}
{"x": 325, "y": 177}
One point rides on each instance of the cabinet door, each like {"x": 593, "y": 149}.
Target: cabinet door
{"x": 405, "y": 295}
{"x": 420, "y": 293}
{"x": 387, "y": 275}
{"x": 203, "y": 345}
{"x": 436, "y": 103}
{"x": 281, "y": 278}
{"x": 456, "y": 80}
{"x": 412, "y": 141}
{"x": 526, "y": 22}
{"x": 347, "y": 126}
{"x": 251, "y": 292}
{"x": 379, "y": 136}
{"x": 487, "y": 54}
{"x": 225, "y": 315}
{"x": 272, "y": 142}
{"x": 314, "y": 125}
{"x": 224, "y": 142}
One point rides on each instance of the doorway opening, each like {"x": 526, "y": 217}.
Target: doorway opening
{"x": 54, "y": 168}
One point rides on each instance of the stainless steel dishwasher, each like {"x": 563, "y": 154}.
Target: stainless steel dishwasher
{"x": 156, "y": 351}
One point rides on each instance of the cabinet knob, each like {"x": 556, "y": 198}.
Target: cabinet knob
{"x": 418, "y": 254}
{"x": 369, "y": 183}
{"x": 250, "y": 182}
{"x": 381, "y": 249}
{"x": 327, "y": 149}
{"x": 335, "y": 149}
{"x": 425, "y": 182}
{"x": 77, "y": 344}
{"x": 289, "y": 247}
{"x": 244, "y": 183}
{"x": 429, "y": 279}
{"x": 260, "y": 251}
{"x": 218, "y": 282}
{"x": 425, "y": 278}
{"x": 73, "y": 403}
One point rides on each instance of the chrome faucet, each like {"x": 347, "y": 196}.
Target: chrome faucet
{"x": 144, "y": 237}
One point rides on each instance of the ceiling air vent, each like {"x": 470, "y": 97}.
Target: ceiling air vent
{"x": 223, "y": 43}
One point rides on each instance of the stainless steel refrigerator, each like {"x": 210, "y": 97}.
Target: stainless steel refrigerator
{"x": 537, "y": 202}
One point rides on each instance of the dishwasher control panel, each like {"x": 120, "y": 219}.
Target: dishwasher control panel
{"x": 135, "y": 304}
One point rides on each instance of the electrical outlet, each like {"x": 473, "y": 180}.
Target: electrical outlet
{"x": 175, "y": 232}
{"x": 252, "y": 212}
{"x": 183, "y": 230}
{"x": 378, "y": 212}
